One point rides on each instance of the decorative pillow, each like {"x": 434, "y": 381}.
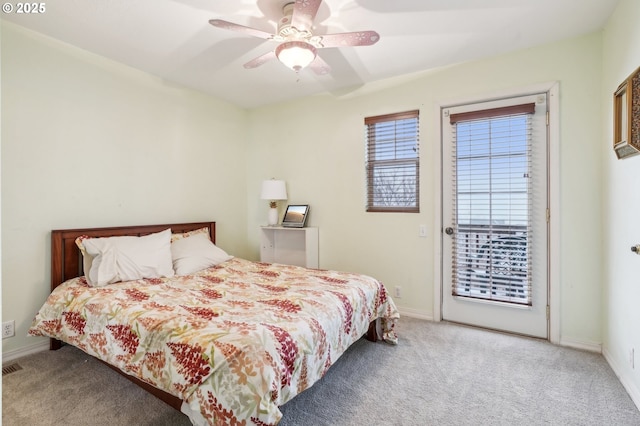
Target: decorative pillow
{"x": 127, "y": 258}
{"x": 87, "y": 259}
{"x": 180, "y": 235}
{"x": 196, "y": 252}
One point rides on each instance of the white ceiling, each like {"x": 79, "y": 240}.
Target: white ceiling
{"x": 173, "y": 39}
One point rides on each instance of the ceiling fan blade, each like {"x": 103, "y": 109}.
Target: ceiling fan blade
{"x": 256, "y": 62}
{"x": 304, "y": 12}
{"x": 226, "y": 25}
{"x": 359, "y": 38}
{"x": 319, "y": 66}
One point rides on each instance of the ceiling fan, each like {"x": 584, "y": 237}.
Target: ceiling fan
{"x": 298, "y": 45}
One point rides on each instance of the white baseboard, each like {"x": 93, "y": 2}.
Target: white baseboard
{"x": 627, "y": 383}
{"x": 27, "y": 350}
{"x": 582, "y": 345}
{"x": 413, "y": 313}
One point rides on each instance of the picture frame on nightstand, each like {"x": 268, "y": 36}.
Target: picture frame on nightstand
{"x": 295, "y": 216}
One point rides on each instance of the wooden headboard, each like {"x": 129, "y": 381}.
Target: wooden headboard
{"x": 66, "y": 259}
{"x": 66, "y": 263}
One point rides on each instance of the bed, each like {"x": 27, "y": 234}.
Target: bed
{"x": 225, "y": 344}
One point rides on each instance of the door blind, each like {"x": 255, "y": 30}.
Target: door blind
{"x": 492, "y": 208}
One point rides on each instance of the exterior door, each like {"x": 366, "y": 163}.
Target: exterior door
{"x": 495, "y": 215}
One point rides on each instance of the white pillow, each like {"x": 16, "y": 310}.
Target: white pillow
{"x": 129, "y": 258}
{"x": 194, "y": 253}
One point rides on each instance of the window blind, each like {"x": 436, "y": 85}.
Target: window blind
{"x": 392, "y": 162}
{"x": 492, "y": 207}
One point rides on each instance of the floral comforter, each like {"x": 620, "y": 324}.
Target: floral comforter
{"x": 234, "y": 341}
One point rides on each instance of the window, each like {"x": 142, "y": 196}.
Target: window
{"x": 392, "y": 162}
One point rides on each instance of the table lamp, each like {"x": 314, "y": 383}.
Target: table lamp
{"x": 273, "y": 190}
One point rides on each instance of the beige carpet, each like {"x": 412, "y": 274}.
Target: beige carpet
{"x": 439, "y": 374}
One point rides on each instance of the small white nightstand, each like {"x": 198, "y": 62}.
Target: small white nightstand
{"x": 291, "y": 246}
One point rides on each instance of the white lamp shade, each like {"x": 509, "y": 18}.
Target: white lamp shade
{"x": 273, "y": 190}
{"x": 296, "y": 54}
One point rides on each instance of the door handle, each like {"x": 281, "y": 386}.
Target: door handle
{"x": 448, "y": 230}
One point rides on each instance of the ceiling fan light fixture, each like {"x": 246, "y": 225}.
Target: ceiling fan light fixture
{"x": 296, "y": 54}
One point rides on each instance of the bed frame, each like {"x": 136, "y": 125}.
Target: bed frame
{"x": 66, "y": 263}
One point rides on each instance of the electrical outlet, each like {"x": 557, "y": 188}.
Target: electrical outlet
{"x": 8, "y": 329}
{"x": 398, "y": 292}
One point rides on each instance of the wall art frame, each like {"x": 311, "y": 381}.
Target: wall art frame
{"x": 626, "y": 117}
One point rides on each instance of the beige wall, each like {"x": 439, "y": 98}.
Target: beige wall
{"x": 621, "y": 207}
{"x": 317, "y": 146}
{"x": 87, "y": 142}
{"x": 68, "y": 116}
